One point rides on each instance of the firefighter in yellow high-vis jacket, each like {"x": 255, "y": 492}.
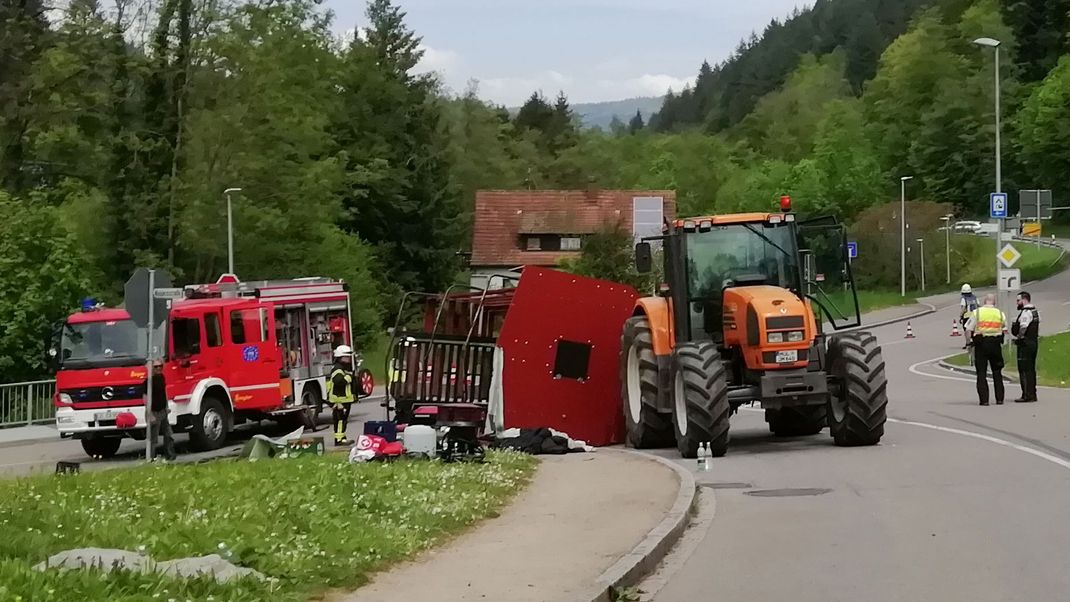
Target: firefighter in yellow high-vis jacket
{"x": 340, "y": 392}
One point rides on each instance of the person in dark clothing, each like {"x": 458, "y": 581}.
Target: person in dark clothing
{"x": 1026, "y": 332}
{"x": 340, "y": 392}
{"x": 159, "y": 421}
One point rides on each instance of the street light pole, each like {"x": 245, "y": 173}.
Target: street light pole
{"x": 903, "y": 234}
{"x": 947, "y": 243}
{"x": 230, "y": 230}
{"x": 992, "y": 43}
{"x": 921, "y": 253}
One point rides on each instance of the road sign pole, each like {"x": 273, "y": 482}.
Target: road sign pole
{"x": 148, "y": 365}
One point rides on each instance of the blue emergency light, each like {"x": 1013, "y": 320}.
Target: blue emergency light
{"x": 89, "y": 304}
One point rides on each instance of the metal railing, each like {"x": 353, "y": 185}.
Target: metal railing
{"x": 27, "y": 403}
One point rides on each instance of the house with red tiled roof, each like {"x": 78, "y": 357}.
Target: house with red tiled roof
{"x": 517, "y": 228}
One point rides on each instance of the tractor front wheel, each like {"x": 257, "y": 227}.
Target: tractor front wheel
{"x": 858, "y": 399}
{"x": 700, "y": 399}
{"x": 647, "y": 428}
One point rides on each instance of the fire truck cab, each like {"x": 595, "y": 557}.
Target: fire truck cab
{"x": 234, "y": 351}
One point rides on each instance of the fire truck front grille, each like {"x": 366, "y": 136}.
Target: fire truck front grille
{"x": 108, "y": 394}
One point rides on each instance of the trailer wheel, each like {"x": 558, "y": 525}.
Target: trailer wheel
{"x": 366, "y": 383}
{"x": 700, "y": 399}
{"x": 858, "y": 399}
{"x": 797, "y": 422}
{"x": 646, "y": 427}
{"x": 101, "y": 448}
{"x": 210, "y": 427}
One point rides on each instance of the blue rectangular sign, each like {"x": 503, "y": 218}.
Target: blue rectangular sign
{"x": 852, "y": 250}
{"x": 997, "y": 205}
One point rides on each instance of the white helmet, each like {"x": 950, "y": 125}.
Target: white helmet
{"x": 343, "y": 351}
{"x": 966, "y": 289}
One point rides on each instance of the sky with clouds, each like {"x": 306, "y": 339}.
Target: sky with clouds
{"x": 594, "y": 50}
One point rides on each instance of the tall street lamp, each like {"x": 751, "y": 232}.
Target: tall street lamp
{"x": 903, "y": 234}
{"x": 921, "y": 254}
{"x": 230, "y": 230}
{"x": 947, "y": 244}
{"x": 992, "y": 43}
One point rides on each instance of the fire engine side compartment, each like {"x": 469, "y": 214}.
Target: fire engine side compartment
{"x": 561, "y": 343}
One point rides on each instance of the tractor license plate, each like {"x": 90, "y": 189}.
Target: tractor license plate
{"x": 787, "y": 357}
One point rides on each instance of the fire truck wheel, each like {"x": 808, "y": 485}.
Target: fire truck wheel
{"x": 313, "y": 402}
{"x": 210, "y": 427}
{"x": 101, "y": 447}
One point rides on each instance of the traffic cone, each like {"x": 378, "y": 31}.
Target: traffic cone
{"x": 910, "y": 331}
{"x": 955, "y": 329}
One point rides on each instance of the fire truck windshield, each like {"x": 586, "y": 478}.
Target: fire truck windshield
{"x": 99, "y": 344}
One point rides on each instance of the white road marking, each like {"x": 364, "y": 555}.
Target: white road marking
{"x": 989, "y": 438}
{"x": 1022, "y": 448}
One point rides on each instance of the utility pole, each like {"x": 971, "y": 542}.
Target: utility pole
{"x": 992, "y": 43}
{"x": 947, "y": 243}
{"x": 230, "y": 230}
{"x": 921, "y": 254}
{"x": 903, "y": 234}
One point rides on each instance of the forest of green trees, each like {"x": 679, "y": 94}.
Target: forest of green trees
{"x": 120, "y": 127}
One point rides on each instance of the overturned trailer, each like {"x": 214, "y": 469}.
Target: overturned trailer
{"x": 543, "y": 353}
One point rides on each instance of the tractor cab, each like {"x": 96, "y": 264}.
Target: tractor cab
{"x": 709, "y": 261}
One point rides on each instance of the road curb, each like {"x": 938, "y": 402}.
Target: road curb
{"x": 970, "y": 371}
{"x": 930, "y": 309}
{"x": 643, "y": 558}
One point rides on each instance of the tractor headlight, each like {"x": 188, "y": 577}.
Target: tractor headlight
{"x": 776, "y": 337}
{"x": 796, "y": 336}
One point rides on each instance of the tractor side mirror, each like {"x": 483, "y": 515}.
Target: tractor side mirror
{"x": 644, "y": 258}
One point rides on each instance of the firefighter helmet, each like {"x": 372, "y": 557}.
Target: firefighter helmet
{"x": 343, "y": 351}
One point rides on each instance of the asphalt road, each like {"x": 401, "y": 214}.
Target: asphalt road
{"x": 958, "y": 502}
{"x": 42, "y": 455}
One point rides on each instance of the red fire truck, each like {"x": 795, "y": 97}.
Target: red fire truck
{"x": 234, "y": 351}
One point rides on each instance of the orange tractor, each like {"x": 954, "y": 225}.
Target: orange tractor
{"x": 741, "y": 318}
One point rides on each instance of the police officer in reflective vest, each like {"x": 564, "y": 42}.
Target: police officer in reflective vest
{"x": 340, "y": 392}
{"x": 986, "y": 327}
{"x": 1026, "y": 331}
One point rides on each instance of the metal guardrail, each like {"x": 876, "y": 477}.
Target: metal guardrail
{"x": 27, "y": 403}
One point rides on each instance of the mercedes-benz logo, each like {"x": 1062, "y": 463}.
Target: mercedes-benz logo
{"x": 107, "y": 393}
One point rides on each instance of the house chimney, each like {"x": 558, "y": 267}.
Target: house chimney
{"x": 592, "y": 189}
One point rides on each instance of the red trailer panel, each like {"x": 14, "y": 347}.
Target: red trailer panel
{"x": 561, "y": 340}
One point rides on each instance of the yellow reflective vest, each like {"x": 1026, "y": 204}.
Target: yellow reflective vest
{"x": 340, "y": 387}
{"x": 990, "y": 322}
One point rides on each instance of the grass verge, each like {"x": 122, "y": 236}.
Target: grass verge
{"x": 312, "y": 523}
{"x": 1052, "y": 371}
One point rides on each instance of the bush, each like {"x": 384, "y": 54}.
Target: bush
{"x": 610, "y": 255}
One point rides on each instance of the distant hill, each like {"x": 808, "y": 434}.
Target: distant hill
{"x": 600, "y": 114}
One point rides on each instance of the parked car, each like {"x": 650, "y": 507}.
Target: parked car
{"x": 967, "y": 226}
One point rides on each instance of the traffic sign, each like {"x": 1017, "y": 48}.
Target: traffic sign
{"x": 136, "y": 296}
{"x": 171, "y": 294}
{"x": 1008, "y": 256}
{"x": 1010, "y": 280}
{"x": 997, "y": 205}
{"x": 852, "y": 250}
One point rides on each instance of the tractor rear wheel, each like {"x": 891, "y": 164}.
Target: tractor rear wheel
{"x": 858, "y": 393}
{"x": 647, "y": 428}
{"x": 700, "y": 399}
{"x": 797, "y": 422}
